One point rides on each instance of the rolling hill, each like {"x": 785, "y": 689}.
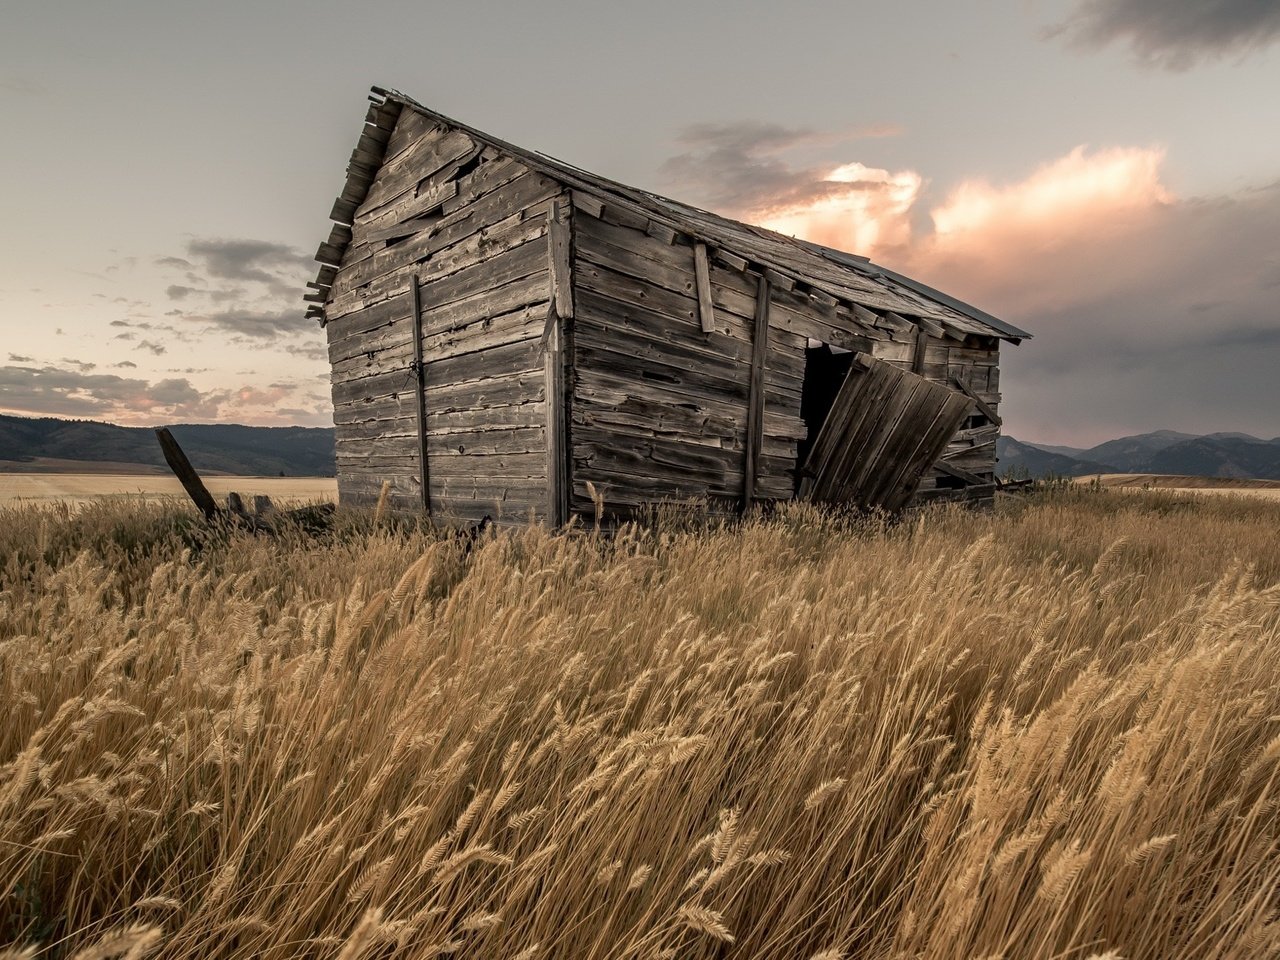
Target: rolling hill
{"x": 49, "y": 443}
{"x": 1159, "y": 452}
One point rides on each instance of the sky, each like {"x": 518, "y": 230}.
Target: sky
{"x": 1102, "y": 173}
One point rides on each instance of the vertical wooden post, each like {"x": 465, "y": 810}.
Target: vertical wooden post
{"x": 922, "y": 343}
{"x": 755, "y": 394}
{"x": 702, "y": 277}
{"x": 424, "y": 478}
{"x": 558, "y": 343}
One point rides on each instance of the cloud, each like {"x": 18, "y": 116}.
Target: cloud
{"x": 125, "y": 364}
{"x": 1148, "y": 310}
{"x": 1174, "y": 34}
{"x": 158, "y": 349}
{"x": 177, "y": 291}
{"x": 276, "y": 266}
{"x": 57, "y": 391}
{"x": 54, "y": 390}
{"x": 15, "y": 358}
{"x": 309, "y": 351}
{"x": 261, "y": 325}
{"x": 741, "y": 166}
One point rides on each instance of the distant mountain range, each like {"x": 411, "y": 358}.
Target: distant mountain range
{"x": 52, "y": 444}
{"x": 1161, "y": 452}
{"x": 67, "y": 446}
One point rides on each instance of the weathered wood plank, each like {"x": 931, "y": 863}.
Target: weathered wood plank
{"x": 987, "y": 410}
{"x": 702, "y": 277}
{"x": 755, "y": 395}
{"x": 559, "y": 259}
{"x": 421, "y": 394}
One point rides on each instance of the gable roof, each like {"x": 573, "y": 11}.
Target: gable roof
{"x": 843, "y": 277}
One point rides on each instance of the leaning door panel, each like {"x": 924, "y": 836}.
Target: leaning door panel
{"x": 886, "y": 427}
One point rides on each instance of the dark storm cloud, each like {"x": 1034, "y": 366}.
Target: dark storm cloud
{"x": 738, "y": 167}
{"x": 1175, "y": 33}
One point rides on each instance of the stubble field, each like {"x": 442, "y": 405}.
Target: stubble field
{"x": 17, "y": 489}
{"x": 1051, "y": 732}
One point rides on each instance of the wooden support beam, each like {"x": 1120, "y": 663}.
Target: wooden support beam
{"x": 864, "y": 315}
{"x": 959, "y": 473}
{"x": 558, "y": 250}
{"x": 978, "y": 402}
{"x": 186, "y": 473}
{"x": 779, "y": 280}
{"x": 588, "y": 204}
{"x": 755, "y": 394}
{"x": 702, "y": 274}
{"x": 660, "y": 231}
{"x": 917, "y": 358}
{"x": 731, "y": 260}
{"x": 424, "y": 477}
{"x": 558, "y": 362}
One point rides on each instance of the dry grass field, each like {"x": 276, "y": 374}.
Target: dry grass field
{"x": 1212, "y": 486}
{"x": 81, "y": 488}
{"x": 1051, "y": 732}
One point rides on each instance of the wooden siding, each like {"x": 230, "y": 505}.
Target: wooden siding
{"x": 973, "y": 362}
{"x": 660, "y": 407}
{"x": 470, "y": 223}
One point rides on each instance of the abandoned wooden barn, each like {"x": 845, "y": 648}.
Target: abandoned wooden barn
{"x": 505, "y": 330}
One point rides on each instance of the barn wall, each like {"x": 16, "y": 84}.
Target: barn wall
{"x": 660, "y": 407}
{"x": 471, "y": 223}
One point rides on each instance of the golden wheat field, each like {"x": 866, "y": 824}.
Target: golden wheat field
{"x": 1048, "y": 732}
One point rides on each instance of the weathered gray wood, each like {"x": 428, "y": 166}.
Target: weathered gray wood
{"x": 981, "y": 404}
{"x": 421, "y": 395}
{"x": 885, "y": 428}
{"x": 702, "y": 274}
{"x": 922, "y": 346}
{"x": 559, "y": 259}
{"x": 951, "y": 469}
{"x": 755, "y": 394}
{"x": 186, "y": 474}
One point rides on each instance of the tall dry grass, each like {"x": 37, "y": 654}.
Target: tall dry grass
{"x": 1053, "y": 732}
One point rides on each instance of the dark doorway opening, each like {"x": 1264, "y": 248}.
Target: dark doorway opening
{"x": 825, "y": 369}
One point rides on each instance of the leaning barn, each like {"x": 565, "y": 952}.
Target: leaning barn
{"x": 508, "y": 332}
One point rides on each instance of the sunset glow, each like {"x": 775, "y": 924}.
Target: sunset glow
{"x": 861, "y": 208}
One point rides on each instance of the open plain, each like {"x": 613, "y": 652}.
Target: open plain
{"x": 79, "y": 488}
